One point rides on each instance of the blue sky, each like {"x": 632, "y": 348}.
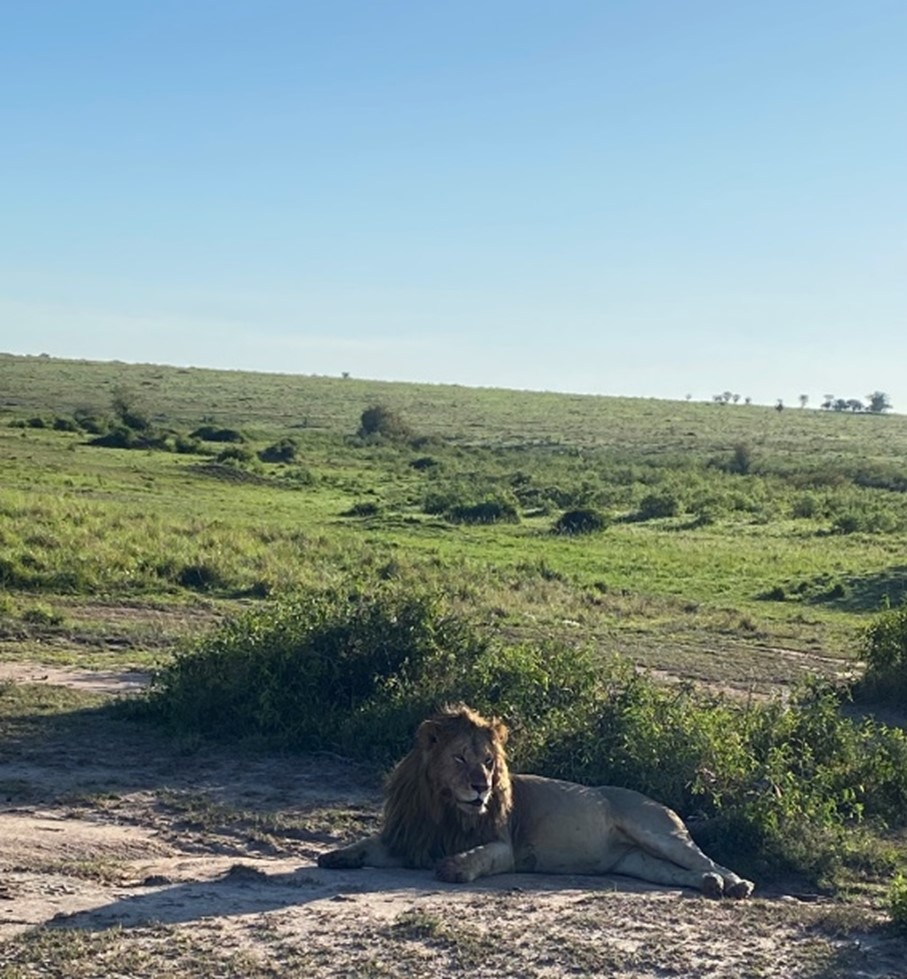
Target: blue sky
{"x": 653, "y": 198}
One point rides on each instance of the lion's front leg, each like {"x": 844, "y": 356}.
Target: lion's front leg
{"x": 370, "y": 852}
{"x": 481, "y": 861}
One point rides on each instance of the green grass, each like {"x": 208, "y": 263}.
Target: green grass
{"x": 749, "y": 562}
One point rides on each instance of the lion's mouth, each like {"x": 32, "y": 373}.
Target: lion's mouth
{"x": 477, "y": 805}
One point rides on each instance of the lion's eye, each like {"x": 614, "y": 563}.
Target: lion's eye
{"x": 489, "y": 761}
{"x": 459, "y": 759}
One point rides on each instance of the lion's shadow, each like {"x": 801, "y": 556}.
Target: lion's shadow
{"x": 244, "y": 890}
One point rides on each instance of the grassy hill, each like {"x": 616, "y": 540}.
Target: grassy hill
{"x": 733, "y": 536}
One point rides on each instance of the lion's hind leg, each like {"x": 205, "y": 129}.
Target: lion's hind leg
{"x": 646, "y": 866}
{"x": 659, "y": 832}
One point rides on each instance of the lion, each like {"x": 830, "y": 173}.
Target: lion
{"x": 451, "y": 804}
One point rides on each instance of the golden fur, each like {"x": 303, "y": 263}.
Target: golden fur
{"x": 451, "y": 804}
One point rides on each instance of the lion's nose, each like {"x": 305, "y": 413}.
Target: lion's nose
{"x": 480, "y": 787}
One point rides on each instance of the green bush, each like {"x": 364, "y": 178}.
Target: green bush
{"x": 285, "y": 451}
{"x": 885, "y": 651}
{"x": 236, "y": 455}
{"x": 211, "y": 433}
{"x": 897, "y": 901}
{"x": 351, "y": 672}
{"x": 124, "y": 437}
{"x": 653, "y": 506}
{"x": 200, "y": 577}
{"x": 379, "y": 421}
{"x": 91, "y": 422}
{"x": 364, "y": 508}
{"x": 865, "y": 520}
{"x": 580, "y": 521}
{"x": 741, "y": 461}
{"x": 807, "y": 506}
{"x": 489, "y": 510}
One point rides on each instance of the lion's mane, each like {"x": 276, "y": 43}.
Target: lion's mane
{"x": 421, "y": 822}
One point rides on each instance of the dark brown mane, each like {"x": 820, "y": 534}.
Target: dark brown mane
{"x": 421, "y": 823}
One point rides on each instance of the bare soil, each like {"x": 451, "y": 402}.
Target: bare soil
{"x": 123, "y": 853}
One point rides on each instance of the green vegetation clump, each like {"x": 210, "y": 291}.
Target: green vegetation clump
{"x": 885, "y": 650}
{"x": 364, "y": 508}
{"x": 654, "y": 506}
{"x": 379, "y": 421}
{"x": 777, "y": 786}
{"x": 212, "y": 433}
{"x": 897, "y": 901}
{"x": 286, "y": 450}
{"x": 493, "y": 509}
{"x": 580, "y": 521}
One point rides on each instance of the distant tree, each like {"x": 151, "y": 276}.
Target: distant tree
{"x": 736, "y": 398}
{"x": 727, "y": 397}
{"x": 747, "y": 400}
{"x": 840, "y": 404}
{"x": 829, "y": 401}
{"x": 878, "y": 402}
{"x": 854, "y": 405}
{"x": 780, "y": 405}
{"x": 804, "y": 400}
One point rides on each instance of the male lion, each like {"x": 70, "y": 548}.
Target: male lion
{"x": 451, "y": 804}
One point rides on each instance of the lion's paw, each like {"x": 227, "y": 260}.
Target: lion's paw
{"x": 713, "y": 885}
{"x": 739, "y": 889}
{"x": 453, "y": 870}
{"x": 341, "y": 860}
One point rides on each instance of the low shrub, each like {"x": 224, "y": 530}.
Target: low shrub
{"x": 885, "y": 651}
{"x": 351, "y": 672}
{"x": 236, "y": 455}
{"x": 489, "y": 510}
{"x": 741, "y": 461}
{"x": 654, "y": 506}
{"x": 897, "y": 901}
{"x": 365, "y": 508}
{"x": 200, "y": 577}
{"x": 284, "y": 451}
{"x": 807, "y": 506}
{"x": 211, "y": 433}
{"x": 186, "y": 445}
{"x": 865, "y": 520}
{"x": 90, "y": 422}
{"x": 124, "y": 437}
{"x": 379, "y": 421}
{"x": 580, "y": 521}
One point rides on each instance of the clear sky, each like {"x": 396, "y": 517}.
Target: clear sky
{"x": 642, "y": 197}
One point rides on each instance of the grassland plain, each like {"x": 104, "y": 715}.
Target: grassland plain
{"x": 791, "y": 554}
{"x": 741, "y": 547}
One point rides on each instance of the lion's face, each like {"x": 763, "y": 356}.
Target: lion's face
{"x": 464, "y": 755}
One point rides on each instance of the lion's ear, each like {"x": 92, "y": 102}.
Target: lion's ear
{"x": 499, "y": 729}
{"x": 428, "y": 733}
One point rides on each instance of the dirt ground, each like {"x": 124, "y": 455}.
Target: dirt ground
{"x": 123, "y": 853}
